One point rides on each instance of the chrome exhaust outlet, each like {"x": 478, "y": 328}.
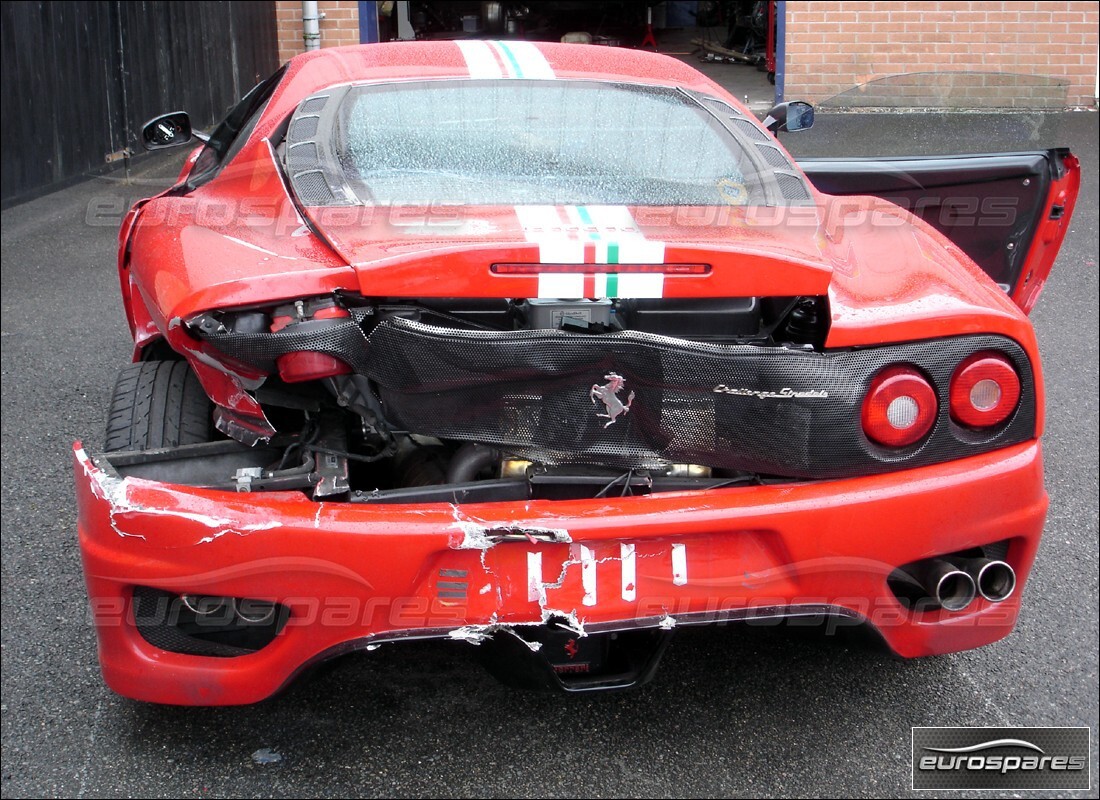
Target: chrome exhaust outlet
{"x": 996, "y": 580}
{"x": 952, "y": 588}
{"x": 202, "y": 605}
{"x": 254, "y": 612}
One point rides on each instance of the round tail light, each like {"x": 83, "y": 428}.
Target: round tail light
{"x": 900, "y": 407}
{"x": 984, "y": 390}
{"x": 308, "y": 365}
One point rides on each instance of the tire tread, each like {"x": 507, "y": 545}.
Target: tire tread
{"x": 157, "y": 404}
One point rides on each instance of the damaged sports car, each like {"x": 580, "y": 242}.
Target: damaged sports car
{"x": 554, "y": 349}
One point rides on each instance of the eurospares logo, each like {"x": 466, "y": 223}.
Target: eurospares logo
{"x": 1001, "y": 758}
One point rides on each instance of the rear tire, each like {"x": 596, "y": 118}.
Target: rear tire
{"x": 158, "y": 404}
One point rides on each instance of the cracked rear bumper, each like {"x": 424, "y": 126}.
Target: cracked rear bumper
{"x": 355, "y": 575}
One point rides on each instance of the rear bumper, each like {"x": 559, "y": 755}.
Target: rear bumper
{"x": 353, "y": 575}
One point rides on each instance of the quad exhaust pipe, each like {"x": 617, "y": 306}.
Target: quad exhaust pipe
{"x": 952, "y": 588}
{"x": 221, "y": 610}
{"x": 954, "y": 583}
{"x": 995, "y": 579}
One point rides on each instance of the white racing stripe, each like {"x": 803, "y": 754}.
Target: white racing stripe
{"x": 479, "y": 59}
{"x": 532, "y": 63}
{"x": 554, "y": 284}
{"x": 505, "y": 60}
{"x": 628, "y": 284}
{"x": 592, "y": 235}
{"x": 639, "y": 250}
{"x": 557, "y": 244}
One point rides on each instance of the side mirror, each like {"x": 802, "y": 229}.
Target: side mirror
{"x": 167, "y": 130}
{"x": 793, "y": 116}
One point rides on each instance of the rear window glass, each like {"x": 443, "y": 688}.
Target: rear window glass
{"x": 519, "y": 142}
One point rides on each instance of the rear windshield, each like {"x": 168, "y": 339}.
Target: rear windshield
{"x": 520, "y": 142}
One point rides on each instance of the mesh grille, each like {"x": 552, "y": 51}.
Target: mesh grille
{"x": 313, "y": 189}
{"x": 153, "y": 621}
{"x": 313, "y": 105}
{"x": 303, "y": 128}
{"x": 773, "y": 156}
{"x": 792, "y": 186}
{"x": 315, "y": 181}
{"x": 718, "y": 106}
{"x": 341, "y": 338}
{"x": 749, "y": 129}
{"x": 302, "y": 157}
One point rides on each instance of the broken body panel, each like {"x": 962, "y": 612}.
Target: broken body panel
{"x": 589, "y": 567}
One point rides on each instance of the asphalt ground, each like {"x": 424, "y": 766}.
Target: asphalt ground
{"x": 743, "y": 711}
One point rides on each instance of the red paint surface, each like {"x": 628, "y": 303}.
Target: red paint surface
{"x": 375, "y": 568}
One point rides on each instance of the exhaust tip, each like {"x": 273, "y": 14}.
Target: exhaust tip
{"x": 996, "y": 580}
{"x": 955, "y": 589}
{"x": 202, "y": 605}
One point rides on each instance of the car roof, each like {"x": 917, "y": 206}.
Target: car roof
{"x": 312, "y": 72}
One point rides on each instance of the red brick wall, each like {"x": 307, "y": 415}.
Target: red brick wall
{"x": 833, "y": 46}
{"x": 340, "y": 25}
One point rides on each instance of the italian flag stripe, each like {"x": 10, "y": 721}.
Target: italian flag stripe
{"x": 592, "y": 235}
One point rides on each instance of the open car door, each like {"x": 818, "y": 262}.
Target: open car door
{"x": 1007, "y": 211}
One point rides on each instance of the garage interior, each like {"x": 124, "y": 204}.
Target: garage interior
{"x": 727, "y": 40}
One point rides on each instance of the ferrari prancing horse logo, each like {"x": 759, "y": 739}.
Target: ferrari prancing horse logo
{"x": 608, "y": 395}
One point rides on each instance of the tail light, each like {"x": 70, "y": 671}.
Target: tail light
{"x": 308, "y": 365}
{"x": 984, "y": 390}
{"x": 900, "y": 407}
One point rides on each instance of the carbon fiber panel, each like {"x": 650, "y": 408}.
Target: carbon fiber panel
{"x": 763, "y": 409}
{"x": 343, "y": 338}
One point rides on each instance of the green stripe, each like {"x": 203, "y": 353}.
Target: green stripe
{"x": 612, "y": 252}
{"x": 612, "y": 284}
{"x": 511, "y": 57}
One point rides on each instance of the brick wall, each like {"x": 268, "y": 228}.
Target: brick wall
{"x": 835, "y": 46}
{"x": 340, "y": 25}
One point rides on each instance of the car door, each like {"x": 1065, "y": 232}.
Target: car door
{"x": 1008, "y": 211}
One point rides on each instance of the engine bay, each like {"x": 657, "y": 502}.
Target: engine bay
{"x": 345, "y": 429}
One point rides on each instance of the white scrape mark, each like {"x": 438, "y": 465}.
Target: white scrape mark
{"x": 109, "y": 489}
{"x": 588, "y": 575}
{"x": 477, "y": 534}
{"x": 250, "y": 246}
{"x": 474, "y": 634}
{"x": 485, "y": 589}
{"x": 630, "y": 572}
{"x": 536, "y": 592}
{"x": 679, "y": 564}
{"x": 116, "y": 493}
{"x": 474, "y": 535}
{"x": 564, "y": 619}
{"x": 667, "y": 623}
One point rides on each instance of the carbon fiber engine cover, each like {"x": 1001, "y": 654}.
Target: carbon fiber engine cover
{"x": 540, "y": 395}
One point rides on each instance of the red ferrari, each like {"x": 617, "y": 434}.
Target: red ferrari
{"x": 554, "y": 349}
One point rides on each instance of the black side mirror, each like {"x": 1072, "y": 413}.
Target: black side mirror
{"x": 167, "y": 130}
{"x": 793, "y": 116}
